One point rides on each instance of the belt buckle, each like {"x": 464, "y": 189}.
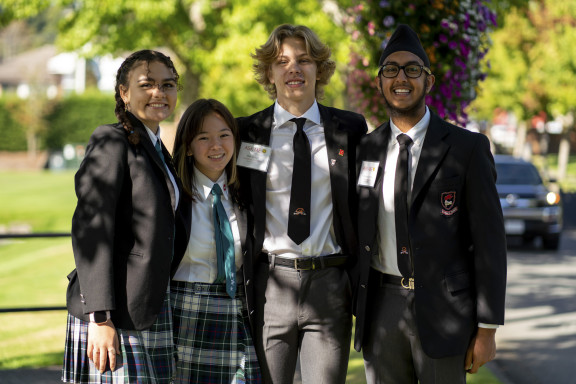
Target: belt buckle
{"x": 312, "y": 265}
{"x": 410, "y": 285}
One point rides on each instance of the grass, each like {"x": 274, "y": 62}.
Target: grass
{"x": 43, "y": 201}
{"x": 33, "y": 273}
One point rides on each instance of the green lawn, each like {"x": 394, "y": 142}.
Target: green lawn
{"x": 33, "y": 272}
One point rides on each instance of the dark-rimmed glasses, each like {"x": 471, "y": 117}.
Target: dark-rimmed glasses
{"x": 412, "y": 71}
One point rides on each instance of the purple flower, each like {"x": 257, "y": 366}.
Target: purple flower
{"x": 443, "y": 38}
{"x": 384, "y": 4}
{"x": 388, "y": 21}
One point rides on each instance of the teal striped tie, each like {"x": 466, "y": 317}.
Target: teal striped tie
{"x": 224, "y": 243}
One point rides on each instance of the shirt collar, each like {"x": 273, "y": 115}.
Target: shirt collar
{"x": 204, "y": 185}
{"x": 416, "y": 133}
{"x": 154, "y": 137}
{"x": 281, "y": 115}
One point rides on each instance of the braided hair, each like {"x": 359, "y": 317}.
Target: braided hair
{"x": 122, "y": 79}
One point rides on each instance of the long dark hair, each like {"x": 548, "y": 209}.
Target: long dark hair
{"x": 189, "y": 126}
{"x": 122, "y": 76}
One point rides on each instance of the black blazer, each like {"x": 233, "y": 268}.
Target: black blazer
{"x": 125, "y": 234}
{"x": 459, "y": 252}
{"x": 342, "y": 131}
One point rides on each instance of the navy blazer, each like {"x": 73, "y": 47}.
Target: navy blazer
{"x": 125, "y": 233}
{"x": 459, "y": 249}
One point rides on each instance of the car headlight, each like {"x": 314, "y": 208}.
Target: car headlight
{"x": 553, "y": 198}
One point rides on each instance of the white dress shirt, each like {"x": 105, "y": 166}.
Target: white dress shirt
{"x": 199, "y": 263}
{"x": 386, "y": 260}
{"x": 322, "y": 240}
{"x": 156, "y": 137}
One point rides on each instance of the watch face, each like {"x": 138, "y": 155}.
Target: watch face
{"x": 100, "y": 317}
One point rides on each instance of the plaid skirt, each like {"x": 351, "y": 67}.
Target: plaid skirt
{"x": 147, "y": 357}
{"x": 212, "y": 335}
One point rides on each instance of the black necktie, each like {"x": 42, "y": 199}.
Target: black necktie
{"x": 401, "y": 207}
{"x": 299, "y": 214}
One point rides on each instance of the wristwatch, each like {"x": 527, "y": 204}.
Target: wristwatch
{"x": 99, "y": 317}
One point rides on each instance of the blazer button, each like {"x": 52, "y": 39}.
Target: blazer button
{"x": 251, "y": 312}
{"x": 367, "y": 248}
{"x": 363, "y": 286}
{"x": 248, "y": 282}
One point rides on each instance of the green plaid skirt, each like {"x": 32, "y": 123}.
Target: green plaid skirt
{"x": 147, "y": 357}
{"x": 212, "y": 335}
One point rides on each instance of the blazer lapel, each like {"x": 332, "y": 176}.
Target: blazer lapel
{"x": 258, "y": 131}
{"x": 146, "y": 143}
{"x": 242, "y": 225}
{"x": 433, "y": 151}
{"x": 336, "y": 145}
{"x": 376, "y": 151}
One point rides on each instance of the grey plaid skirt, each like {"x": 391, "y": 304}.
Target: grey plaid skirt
{"x": 147, "y": 357}
{"x": 212, "y": 335}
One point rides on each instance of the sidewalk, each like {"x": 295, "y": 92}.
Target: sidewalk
{"x": 48, "y": 375}
{"x": 51, "y": 375}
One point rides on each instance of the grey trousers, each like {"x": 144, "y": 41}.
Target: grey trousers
{"x": 392, "y": 350}
{"x": 306, "y": 312}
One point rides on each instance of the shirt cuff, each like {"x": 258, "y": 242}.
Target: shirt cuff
{"x": 490, "y": 326}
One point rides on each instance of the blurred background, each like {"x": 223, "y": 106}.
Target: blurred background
{"x": 505, "y": 68}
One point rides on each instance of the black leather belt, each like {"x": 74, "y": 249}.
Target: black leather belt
{"x": 385, "y": 278}
{"x": 306, "y": 263}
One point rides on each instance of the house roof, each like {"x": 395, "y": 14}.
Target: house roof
{"x": 28, "y": 67}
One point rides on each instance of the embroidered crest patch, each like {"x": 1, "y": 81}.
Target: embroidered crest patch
{"x": 448, "y": 201}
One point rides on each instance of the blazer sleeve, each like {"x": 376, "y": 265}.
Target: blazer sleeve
{"x": 488, "y": 234}
{"x": 98, "y": 183}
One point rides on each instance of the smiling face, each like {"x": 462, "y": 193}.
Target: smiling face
{"x": 212, "y": 147}
{"x": 294, "y": 73}
{"x": 151, "y": 93}
{"x": 404, "y": 97}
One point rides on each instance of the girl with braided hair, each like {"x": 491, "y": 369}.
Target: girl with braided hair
{"x": 128, "y": 237}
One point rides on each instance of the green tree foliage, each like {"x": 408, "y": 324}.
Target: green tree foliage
{"x": 12, "y": 132}
{"x": 74, "y": 118}
{"x": 210, "y": 40}
{"x": 532, "y": 62}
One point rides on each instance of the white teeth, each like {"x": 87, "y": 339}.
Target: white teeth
{"x": 156, "y": 105}
{"x": 294, "y": 82}
{"x": 216, "y": 156}
{"x": 402, "y": 91}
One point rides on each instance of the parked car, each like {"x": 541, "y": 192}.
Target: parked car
{"x": 531, "y": 208}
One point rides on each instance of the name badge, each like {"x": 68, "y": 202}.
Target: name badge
{"x": 254, "y": 156}
{"x": 368, "y": 173}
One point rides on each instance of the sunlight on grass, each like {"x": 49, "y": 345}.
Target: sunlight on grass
{"x": 32, "y": 339}
{"x": 42, "y": 200}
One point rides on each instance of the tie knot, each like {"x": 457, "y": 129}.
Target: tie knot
{"x": 216, "y": 190}
{"x": 300, "y": 121}
{"x": 404, "y": 139}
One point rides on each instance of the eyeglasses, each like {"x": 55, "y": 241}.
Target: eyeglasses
{"x": 163, "y": 87}
{"x": 412, "y": 71}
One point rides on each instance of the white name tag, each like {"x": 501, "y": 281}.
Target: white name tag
{"x": 368, "y": 172}
{"x": 254, "y": 156}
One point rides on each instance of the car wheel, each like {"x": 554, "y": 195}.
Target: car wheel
{"x": 551, "y": 242}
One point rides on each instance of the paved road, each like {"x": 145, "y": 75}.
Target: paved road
{"x": 537, "y": 345}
